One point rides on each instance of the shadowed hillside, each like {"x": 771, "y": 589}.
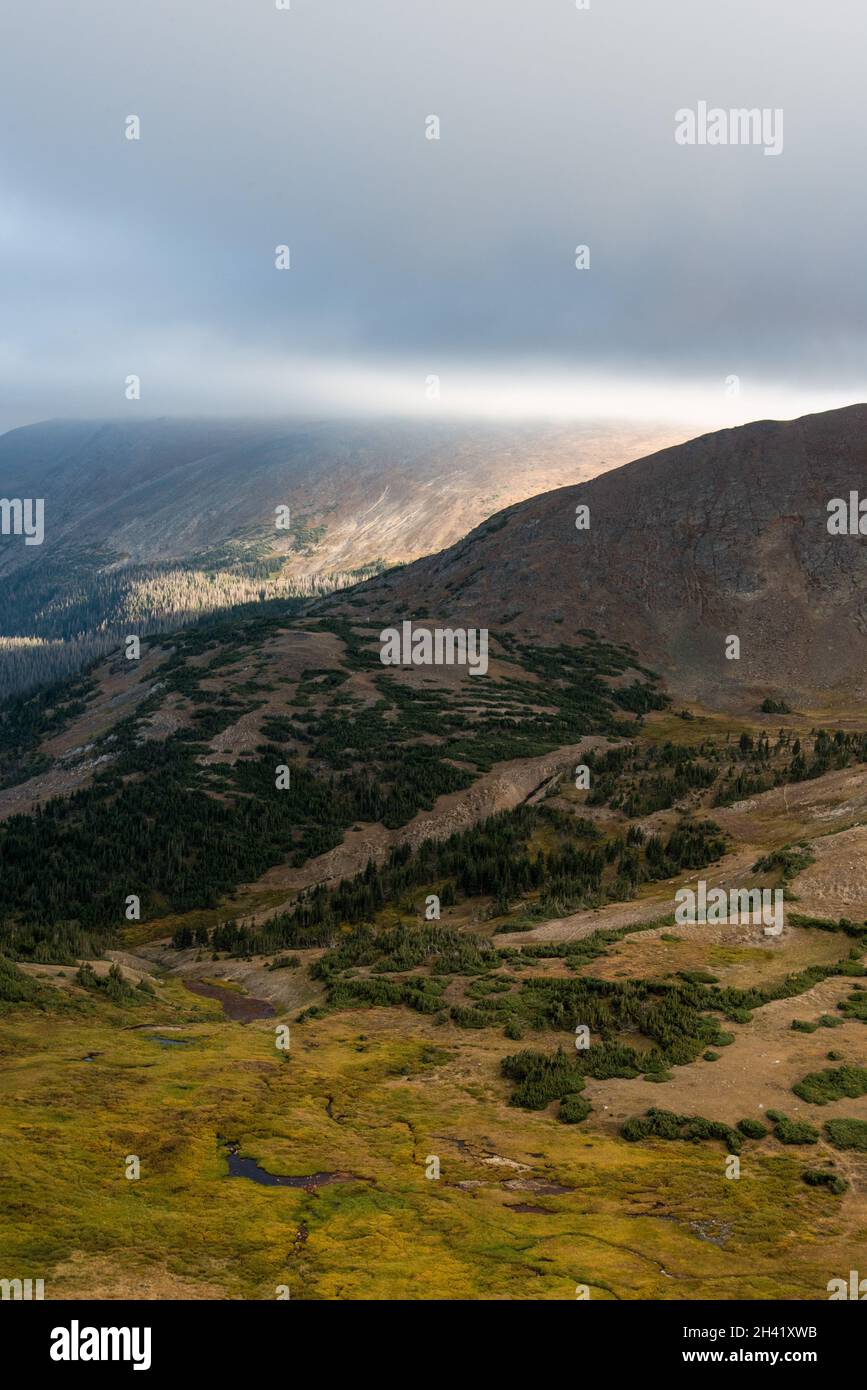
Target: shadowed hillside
{"x": 724, "y": 535}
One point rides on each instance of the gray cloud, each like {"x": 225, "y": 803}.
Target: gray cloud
{"x": 306, "y": 127}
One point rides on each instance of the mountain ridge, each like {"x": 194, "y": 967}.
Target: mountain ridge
{"x": 150, "y": 523}
{"x": 723, "y": 536}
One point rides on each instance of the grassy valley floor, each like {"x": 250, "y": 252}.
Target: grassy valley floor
{"x": 524, "y": 1208}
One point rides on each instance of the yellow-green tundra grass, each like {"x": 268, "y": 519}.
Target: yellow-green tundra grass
{"x": 373, "y": 1095}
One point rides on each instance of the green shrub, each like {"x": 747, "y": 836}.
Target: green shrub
{"x": 795, "y": 1132}
{"x": 15, "y": 986}
{"x": 752, "y": 1129}
{"x": 817, "y": 1177}
{"x": 638, "y": 1127}
{"x": 468, "y": 1018}
{"x": 573, "y": 1109}
{"x": 285, "y": 963}
{"x": 847, "y": 1134}
{"x": 665, "y": 1124}
{"x": 542, "y": 1078}
{"x": 739, "y": 1016}
{"x": 820, "y": 1087}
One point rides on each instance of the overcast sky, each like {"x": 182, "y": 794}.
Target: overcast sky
{"x": 411, "y": 257}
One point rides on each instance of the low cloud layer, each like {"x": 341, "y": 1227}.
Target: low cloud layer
{"x": 415, "y": 258}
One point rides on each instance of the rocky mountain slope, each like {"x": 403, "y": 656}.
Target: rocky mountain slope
{"x": 724, "y": 536}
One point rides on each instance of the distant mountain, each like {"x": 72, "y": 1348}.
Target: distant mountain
{"x": 724, "y": 536}
{"x": 150, "y": 523}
